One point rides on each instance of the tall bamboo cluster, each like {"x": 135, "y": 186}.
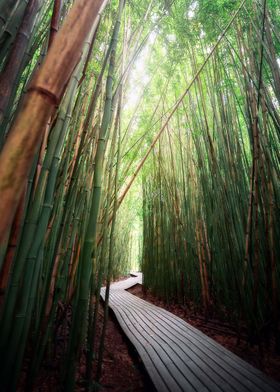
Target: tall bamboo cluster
{"x": 211, "y": 197}
{"x": 62, "y": 81}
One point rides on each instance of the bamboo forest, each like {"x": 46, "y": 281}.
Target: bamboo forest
{"x": 140, "y": 195}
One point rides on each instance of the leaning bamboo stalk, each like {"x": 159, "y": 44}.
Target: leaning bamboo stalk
{"x": 7, "y": 11}
{"x": 88, "y": 253}
{"x": 13, "y": 65}
{"x": 44, "y": 94}
{"x": 110, "y": 257}
{"x": 55, "y": 20}
{"x": 177, "y": 105}
{"x": 54, "y": 27}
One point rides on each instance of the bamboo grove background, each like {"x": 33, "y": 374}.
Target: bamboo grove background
{"x": 211, "y": 199}
{"x": 187, "y": 93}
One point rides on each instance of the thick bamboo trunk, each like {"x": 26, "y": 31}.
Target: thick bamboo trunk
{"x": 44, "y": 94}
{"x": 15, "y": 233}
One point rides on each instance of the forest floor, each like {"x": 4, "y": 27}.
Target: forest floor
{"x": 267, "y": 360}
{"x": 123, "y": 370}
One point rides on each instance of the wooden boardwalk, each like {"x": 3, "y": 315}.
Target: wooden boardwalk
{"x": 177, "y": 356}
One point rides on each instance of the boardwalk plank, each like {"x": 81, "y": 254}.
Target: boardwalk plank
{"x": 214, "y": 373}
{"x": 253, "y": 378}
{"x": 185, "y": 367}
{"x": 211, "y": 356}
{"x": 177, "y": 356}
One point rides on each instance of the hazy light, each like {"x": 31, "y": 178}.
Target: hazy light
{"x": 192, "y": 9}
{"x": 171, "y": 38}
{"x": 202, "y": 34}
{"x": 140, "y": 76}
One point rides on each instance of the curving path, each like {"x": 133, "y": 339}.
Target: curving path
{"x": 177, "y": 356}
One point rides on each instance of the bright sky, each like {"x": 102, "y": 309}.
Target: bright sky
{"x": 192, "y": 9}
{"x": 139, "y": 77}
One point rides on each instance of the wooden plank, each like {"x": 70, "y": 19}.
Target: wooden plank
{"x": 176, "y": 355}
{"x": 203, "y": 367}
{"x": 160, "y": 359}
{"x": 217, "y": 363}
{"x": 184, "y": 369}
{"x": 260, "y": 381}
{"x": 147, "y": 357}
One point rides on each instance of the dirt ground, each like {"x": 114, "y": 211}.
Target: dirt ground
{"x": 122, "y": 369}
{"x": 267, "y": 361}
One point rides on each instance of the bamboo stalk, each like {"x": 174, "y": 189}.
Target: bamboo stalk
{"x": 45, "y": 92}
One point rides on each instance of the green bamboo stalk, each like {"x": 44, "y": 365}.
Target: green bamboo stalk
{"x": 89, "y": 247}
{"x": 12, "y": 180}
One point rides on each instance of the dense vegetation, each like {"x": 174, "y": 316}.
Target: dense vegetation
{"x": 118, "y": 115}
{"x": 211, "y": 199}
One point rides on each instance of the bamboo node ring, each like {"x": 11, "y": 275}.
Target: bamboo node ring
{"x": 54, "y": 100}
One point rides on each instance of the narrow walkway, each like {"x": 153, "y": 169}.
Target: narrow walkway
{"x": 177, "y": 356}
